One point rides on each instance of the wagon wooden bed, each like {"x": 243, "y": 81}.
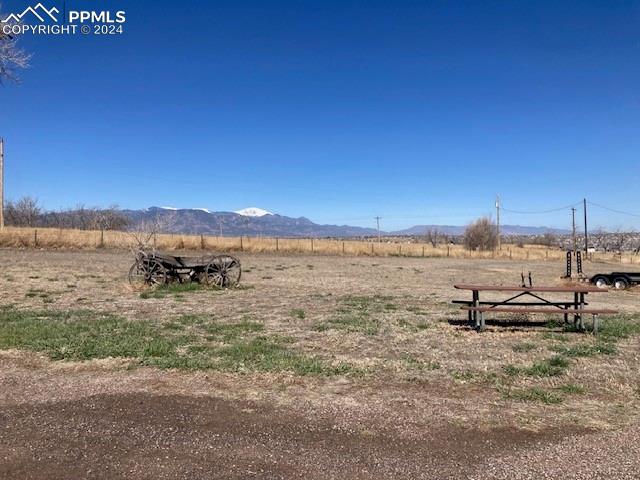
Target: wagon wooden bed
{"x": 152, "y": 268}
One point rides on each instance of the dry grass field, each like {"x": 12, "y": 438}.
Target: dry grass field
{"x": 52, "y": 238}
{"x": 315, "y": 367}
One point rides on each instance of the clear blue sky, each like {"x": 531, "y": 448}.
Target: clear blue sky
{"x": 417, "y": 111}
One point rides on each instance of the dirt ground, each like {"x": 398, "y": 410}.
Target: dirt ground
{"x": 425, "y": 396}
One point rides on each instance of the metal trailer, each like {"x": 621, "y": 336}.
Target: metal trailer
{"x": 152, "y": 268}
{"x": 617, "y": 280}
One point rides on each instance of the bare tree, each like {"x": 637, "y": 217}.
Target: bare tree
{"x": 143, "y": 234}
{"x": 12, "y": 58}
{"x": 23, "y": 213}
{"x": 599, "y": 239}
{"x": 549, "y": 240}
{"x": 433, "y": 236}
{"x": 481, "y": 235}
{"x": 619, "y": 239}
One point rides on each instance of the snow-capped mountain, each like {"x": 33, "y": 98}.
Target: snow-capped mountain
{"x": 253, "y": 212}
{"x": 258, "y": 222}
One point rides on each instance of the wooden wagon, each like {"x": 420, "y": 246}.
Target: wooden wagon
{"x": 152, "y": 268}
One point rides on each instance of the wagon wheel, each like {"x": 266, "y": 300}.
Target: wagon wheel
{"x": 223, "y": 271}
{"x": 136, "y": 274}
{"x": 148, "y": 272}
{"x": 155, "y": 273}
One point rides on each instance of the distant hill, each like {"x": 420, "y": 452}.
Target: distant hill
{"x": 258, "y": 222}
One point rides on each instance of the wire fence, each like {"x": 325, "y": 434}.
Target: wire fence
{"x": 88, "y": 239}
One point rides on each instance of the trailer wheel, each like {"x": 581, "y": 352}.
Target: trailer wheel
{"x": 620, "y": 283}
{"x": 601, "y": 282}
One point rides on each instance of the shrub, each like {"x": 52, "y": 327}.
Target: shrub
{"x": 481, "y": 235}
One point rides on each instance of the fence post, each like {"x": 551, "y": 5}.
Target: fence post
{"x": 510, "y": 257}
{"x": 277, "y": 245}
{"x": 312, "y": 245}
{"x": 241, "y": 244}
{"x": 202, "y": 242}
{"x": 343, "y": 247}
{"x": 102, "y": 238}
{"x": 448, "y": 250}
{"x": 35, "y": 237}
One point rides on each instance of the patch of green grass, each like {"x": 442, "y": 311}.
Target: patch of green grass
{"x": 355, "y": 314}
{"x": 268, "y": 354}
{"x": 524, "y": 347}
{"x": 572, "y": 389}
{"x": 534, "y": 394}
{"x": 298, "y": 313}
{"x": 550, "y": 367}
{"x": 86, "y": 335}
{"x": 585, "y": 350}
{"x": 559, "y": 337}
{"x": 173, "y": 326}
{"x": 193, "y": 319}
{"x": 227, "y": 332}
{"x": 621, "y": 327}
{"x": 82, "y": 335}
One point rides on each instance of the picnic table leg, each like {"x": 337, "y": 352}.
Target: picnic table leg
{"x": 476, "y": 303}
{"x": 581, "y": 308}
{"x": 576, "y": 316}
{"x": 566, "y": 315}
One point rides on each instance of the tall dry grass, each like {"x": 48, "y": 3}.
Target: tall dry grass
{"x": 88, "y": 239}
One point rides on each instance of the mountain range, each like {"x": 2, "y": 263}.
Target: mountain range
{"x": 258, "y": 222}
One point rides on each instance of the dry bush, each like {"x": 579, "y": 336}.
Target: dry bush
{"x": 481, "y": 235}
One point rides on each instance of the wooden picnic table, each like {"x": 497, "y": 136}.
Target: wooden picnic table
{"x": 575, "y": 306}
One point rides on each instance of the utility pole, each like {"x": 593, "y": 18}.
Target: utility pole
{"x": 378, "y": 224}
{"x": 573, "y": 220}
{"x": 1, "y": 184}
{"x": 586, "y": 234}
{"x": 498, "y": 220}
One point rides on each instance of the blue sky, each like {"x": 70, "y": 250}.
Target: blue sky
{"x": 417, "y": 111}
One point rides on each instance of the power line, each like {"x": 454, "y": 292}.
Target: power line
{"x": 614, "y": 210}
{"x": 540, "y": 212}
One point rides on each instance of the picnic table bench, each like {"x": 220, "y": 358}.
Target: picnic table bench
{"x": 576, "y": 306}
